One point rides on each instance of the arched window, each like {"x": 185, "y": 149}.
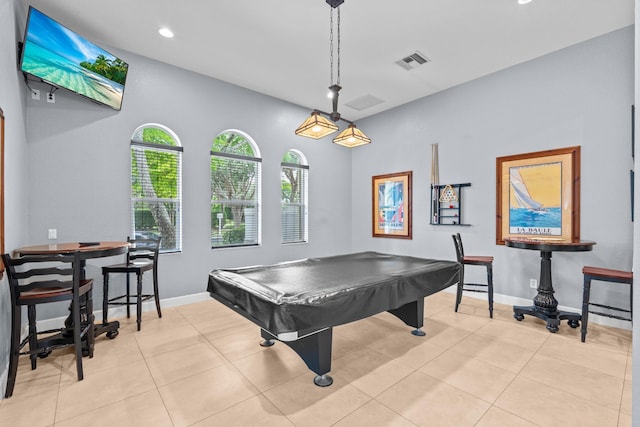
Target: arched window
{"x": 156, "y": 186}
{"x": 235, "y": 190}
{"x": 294, "y": 175}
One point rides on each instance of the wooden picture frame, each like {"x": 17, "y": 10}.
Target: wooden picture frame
{"x": 1, "y": 189}
{"x": 538, "y": 195}
{"x": 391, "y": 205}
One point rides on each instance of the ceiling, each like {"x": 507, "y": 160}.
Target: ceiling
{"x": 281, "y": 47}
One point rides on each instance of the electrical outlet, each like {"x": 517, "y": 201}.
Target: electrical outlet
{"x": 53, "y": 233}
{"x": 35, "y": 94}
{"x": 51, "y": 98}
{"x": 533, "y": 283}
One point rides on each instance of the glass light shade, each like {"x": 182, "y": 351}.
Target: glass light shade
{"x": 316, "y": 126}
{"x": 351, "y": 137}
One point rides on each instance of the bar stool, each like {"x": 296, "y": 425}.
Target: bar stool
{"x": 48, "y": 279}
{"x": 142, "y": 256}
{"x": 604, "y": 275}
{"x": 484, "y": 261}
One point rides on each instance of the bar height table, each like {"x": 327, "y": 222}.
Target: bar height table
{"x": 545, "y": 305}
{"x": 88, "y": 250}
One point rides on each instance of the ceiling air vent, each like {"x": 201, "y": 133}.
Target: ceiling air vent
{"x": 413, "y": 61}
{"x": 364, "y": 102}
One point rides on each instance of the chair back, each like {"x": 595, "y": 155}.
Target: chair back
{"x": 143, "y": 249}
{"x": 457, "y": 242}
{"x": 52, "y": 277}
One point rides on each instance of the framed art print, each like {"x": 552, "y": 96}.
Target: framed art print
{"x": 538, "y": 195}
{"x": 391, "y": 207}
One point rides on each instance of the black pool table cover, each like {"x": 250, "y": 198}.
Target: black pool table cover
{"x": 291, "y": 299}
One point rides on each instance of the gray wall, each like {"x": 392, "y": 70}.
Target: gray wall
{"x": 79, "y": 155}
{"x": 12, "y": 18}
{"x": 74, "y": 169}
{"x": 68, "y": 167}
{"x": 581, "y": 95}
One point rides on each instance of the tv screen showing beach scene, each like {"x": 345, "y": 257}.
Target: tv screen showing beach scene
{"x": 57, "y": 55}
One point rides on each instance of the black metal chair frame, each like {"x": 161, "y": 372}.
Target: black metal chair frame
{"x": 482, "y": 261}
{"x": 146, "y": 250}
{"x": 49, "y": 281}
{"x": 604, "y": 275}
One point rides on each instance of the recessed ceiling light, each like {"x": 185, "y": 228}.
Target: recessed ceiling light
{"x": 524, "y": 1}
{"x": 165, "y": 32}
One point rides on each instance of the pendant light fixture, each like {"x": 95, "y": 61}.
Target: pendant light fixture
{"x": 318, "y": 124}
{"x": 351, "y": 137}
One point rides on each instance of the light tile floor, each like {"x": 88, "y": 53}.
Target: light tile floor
{"x": 201, "y": 365}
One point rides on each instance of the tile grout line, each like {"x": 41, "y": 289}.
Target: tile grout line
{"x": 230, "y": 364}
{"x": 515, "y": 377}
{"x": 259, "y": 393}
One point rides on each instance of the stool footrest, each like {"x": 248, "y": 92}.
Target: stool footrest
{"x": 611, "y": 316}
{"x": 475, "y": 290}
{"x": 610, "y": 307}
{"x": 133, "y": 298}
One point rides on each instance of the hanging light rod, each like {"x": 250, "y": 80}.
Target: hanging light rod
{"x": 317, "y": 125}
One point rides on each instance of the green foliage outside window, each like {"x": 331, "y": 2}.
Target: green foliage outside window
{"x": 293, "y": 197}
{"x": 162, "y": 166}
{"x": 155, "y": 186}
{"x": 234, "y": 186}
{"x": 291, "y": 178}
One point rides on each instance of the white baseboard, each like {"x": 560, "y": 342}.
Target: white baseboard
{"x": 117, "y": 312}
{"x": 204, "y": 296}
{"x": 121, "y": 311}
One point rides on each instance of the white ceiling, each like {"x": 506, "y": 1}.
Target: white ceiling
{"x": 281, "y": 47}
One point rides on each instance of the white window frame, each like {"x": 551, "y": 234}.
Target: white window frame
{"x": 301, "y": 208}
{"x": 217, "y": 233}
{"x": 151, "y": 146}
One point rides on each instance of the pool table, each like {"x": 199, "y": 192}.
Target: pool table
{"x": 299, "y": 302}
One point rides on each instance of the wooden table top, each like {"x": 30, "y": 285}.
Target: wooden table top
{"x": 550, "y": 245}
{"x": 90, "y": 249}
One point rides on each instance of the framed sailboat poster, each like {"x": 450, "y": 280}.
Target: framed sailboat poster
{"x": 538, "y": 195}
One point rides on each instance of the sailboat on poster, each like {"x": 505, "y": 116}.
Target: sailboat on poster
{"x": 528, "y": 215}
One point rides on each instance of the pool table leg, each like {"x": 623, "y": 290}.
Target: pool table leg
{"x": 412, "y": 314}
{"x": 314, "y": 350}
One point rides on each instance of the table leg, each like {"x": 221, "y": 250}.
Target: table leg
{"x": 412, "y": 314}
{"x": 64, "y": 336}
{"x": 110, "y": 328}
{"x": 544, "y": 300}
{"x": 315, "y": 350}
{"x": 545, "y": 305}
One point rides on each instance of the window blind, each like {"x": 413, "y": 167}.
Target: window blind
{"x": 235, "y": 200}
{"x": 156, "y": 192}
{"x": 294, "y": 203}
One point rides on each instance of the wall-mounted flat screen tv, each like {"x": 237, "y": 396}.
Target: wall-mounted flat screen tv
{"x": 62, "y": 58}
